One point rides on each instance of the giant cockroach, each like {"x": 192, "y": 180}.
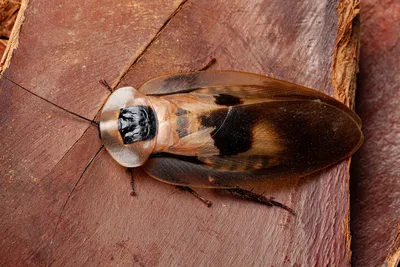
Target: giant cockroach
{"x": 226, "y": 130}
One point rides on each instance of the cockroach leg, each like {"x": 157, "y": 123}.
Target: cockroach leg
{"x": 245, "y": 194}
{"x": 209, "y": 64}
{"x": 133, "y": 192}
{"x": 106, "y": 85}
{"x": 194, "y": 193}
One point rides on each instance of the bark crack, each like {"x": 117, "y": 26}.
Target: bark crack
{"x": 67, "y": 200}
{"x": 156, "y": 36}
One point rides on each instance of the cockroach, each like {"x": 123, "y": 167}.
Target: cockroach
{"x": 226, "y": 130}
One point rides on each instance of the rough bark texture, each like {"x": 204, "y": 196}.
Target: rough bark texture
{"x": 8, "y": 15}
{"x": 376, "y": 170}
{"x": 65, "y": 47}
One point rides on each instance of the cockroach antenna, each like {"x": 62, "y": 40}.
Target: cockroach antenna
{"x": 87, "y": 165}
{"x": 48, "y": 101}
{"x": 70, "y": 194}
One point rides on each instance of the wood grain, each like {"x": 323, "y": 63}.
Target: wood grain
{"x": 66, "y": 47}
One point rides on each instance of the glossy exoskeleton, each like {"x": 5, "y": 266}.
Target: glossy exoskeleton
{"x": 226, "y": 129}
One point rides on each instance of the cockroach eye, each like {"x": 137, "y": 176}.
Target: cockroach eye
{"x": 128, "y": 127}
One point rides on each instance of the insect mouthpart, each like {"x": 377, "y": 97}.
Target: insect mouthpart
{"x": 137, "y": 124}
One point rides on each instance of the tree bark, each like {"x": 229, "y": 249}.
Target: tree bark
{"x": 375, "y": 174}
{"x": 60, "y": 53}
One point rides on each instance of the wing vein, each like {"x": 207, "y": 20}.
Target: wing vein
{"x": 222, "y": 124}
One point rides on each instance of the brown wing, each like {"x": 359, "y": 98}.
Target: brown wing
{"x": 251, "y": 142}
{"x": 236, "y": 84}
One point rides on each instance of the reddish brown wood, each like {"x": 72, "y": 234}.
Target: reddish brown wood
{"x": 375, "y": 189}
{"x": 393, "y": 257}
{"x": 44, "y": 150}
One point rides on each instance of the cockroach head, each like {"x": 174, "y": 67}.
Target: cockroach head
{"x": 128, "y": 127}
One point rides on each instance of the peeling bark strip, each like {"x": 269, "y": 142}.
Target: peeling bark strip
{"x": 14, "y": 38}
{"x": 8, "y": 14}
{"x": 345, "y": 56}
{"x": 393, "y": 258}
{"x": 344, "y": 69}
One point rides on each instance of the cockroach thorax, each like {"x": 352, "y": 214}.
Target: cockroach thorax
{"x": 128, "y": 127}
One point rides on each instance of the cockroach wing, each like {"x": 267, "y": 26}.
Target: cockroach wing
{"x": 237, "y": 83}
{"x": 243, "y": 132}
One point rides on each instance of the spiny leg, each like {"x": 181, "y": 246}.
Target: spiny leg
{"x": 106, "y": 85}
{"x": 245, "y": 194}
{"x": 133, "y": 192}
{"x": 194, "y": 193}
{"x": 209, "y": 64}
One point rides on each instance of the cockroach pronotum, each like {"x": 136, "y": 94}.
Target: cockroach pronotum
{"x": 226, "y": 130}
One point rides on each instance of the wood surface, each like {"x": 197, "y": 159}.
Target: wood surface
{"x": 61, "y": 51}
{"x": 375, "y": 209}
